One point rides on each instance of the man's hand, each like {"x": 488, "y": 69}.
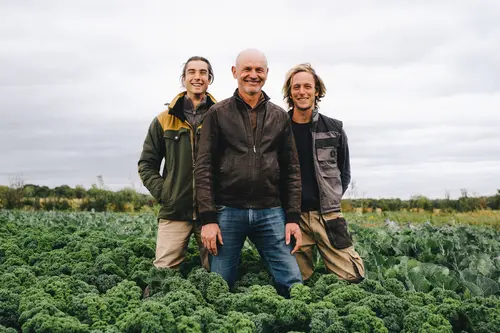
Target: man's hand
{"x": 293, "y": 229}
{"x": 209, "y": 235}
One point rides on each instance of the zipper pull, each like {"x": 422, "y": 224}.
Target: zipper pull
{"x": 254, "y": 149}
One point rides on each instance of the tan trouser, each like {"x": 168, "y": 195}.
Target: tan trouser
{"x": 172, "y": 243}
{"x": 345, "y": 263}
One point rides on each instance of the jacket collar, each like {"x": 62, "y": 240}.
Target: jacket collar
{"x": 315, "y": 115}
{"x": 176, "y": 106}
{"x": 238, "y": 98}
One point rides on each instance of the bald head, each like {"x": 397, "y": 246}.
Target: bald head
{"x": 251, "y": 72}
{"x": 251, "y": 55}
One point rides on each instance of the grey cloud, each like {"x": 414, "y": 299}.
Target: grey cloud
{"x": 410, "y": 146}
{"x": 81, "y": 81}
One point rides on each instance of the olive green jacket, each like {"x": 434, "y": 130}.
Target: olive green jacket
{"x": 171, "y": 137}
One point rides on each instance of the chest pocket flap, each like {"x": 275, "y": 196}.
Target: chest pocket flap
{"x": 174, "y": 135}
{"x": 327, "y": 149}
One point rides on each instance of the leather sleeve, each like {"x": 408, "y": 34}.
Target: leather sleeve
{"x": 291, "y": 183}
{"x": 203, "y": 172}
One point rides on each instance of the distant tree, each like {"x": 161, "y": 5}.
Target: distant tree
{"x": 29, "y": 190}
{"x": 98, "y": 198}
{"x": 15, "y": 194}
{"x": 42, "y": 192}
{"x": 80, "y": 192}
{"x": 64, "y": 191}
{"x": 420, "y": 201}
{"x": 494, "y": 201}
{"x": 3, "y": 195}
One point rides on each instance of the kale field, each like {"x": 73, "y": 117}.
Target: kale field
{"x": 86, "y": 272}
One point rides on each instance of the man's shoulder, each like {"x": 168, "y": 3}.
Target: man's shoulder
{"x": 166, "y": 120}
{"x": 163, "y": 115}
{"x": 221, "y": 104}
{"x": 331, "y": 122}
{"x": 277, "y": 115}
{"x": 275, "y": 107}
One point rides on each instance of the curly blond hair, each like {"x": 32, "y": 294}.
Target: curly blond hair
{"x": 319, "y": 85}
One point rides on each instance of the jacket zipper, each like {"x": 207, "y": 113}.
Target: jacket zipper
{"x": 253, "y": 140}
{"x": 316, "y": 167}
{"x": 192, "y": 135}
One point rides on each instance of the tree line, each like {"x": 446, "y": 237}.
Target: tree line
{"x": 464, "y": 203}
{"x": 66, "y": 198}
{"x": 98, "y": 198}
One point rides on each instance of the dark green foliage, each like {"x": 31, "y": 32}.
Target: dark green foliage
{"x": 233, "y": 322}
{"x": 149, "y": 317}
{"x": 87, "y": 273}
{"x": 264, "y": 322}
{"x": 293, "y": 314}
{"x": 362, "y": 319}
{"x": 322, "y": 319}
{"x": 211, "y": 285}
{"x": 9, "y": 303}
{"x": 257, "y": 299}
{"x": 4, "y": 329}
{"x": 300, "y": 292}
{"x": 345, "y": 295}
{"x": 394, "y": 286}
{"x": 422, "y": 319}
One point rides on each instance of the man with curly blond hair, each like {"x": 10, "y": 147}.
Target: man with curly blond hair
{"x": 325, "y": 173}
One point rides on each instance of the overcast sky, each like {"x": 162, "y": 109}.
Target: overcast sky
{"x": 416, "y": 83}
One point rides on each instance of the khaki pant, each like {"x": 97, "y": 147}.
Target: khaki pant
{"x": 345, "y": 263}
{"x": 172, "y": 243}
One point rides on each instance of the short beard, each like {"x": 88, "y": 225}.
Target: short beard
{"x": 252, "y": 93}
{"x": 302, "y": 109}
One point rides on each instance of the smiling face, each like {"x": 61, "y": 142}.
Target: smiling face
{"x": 251, "y": 72}
{"x": 196, "y": 78}
{"x": 303, "y": 91}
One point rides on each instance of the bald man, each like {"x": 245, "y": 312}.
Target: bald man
{"x": 247, "y": 178}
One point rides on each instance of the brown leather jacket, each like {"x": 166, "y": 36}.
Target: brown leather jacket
{"x": 235, "y": 169}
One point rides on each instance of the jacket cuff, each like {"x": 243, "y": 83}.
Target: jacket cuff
{"x": 292, "y": 217}
{"x": 208, "y": 217}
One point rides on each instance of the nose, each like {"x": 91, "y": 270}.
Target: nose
{"x": 302, "y": 90}
{"x": 253, "y": 74}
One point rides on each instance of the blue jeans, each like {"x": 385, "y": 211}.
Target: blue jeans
{"x": 266, "y": 229}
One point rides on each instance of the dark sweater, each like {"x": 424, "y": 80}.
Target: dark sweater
{"x": 303, "y": 141}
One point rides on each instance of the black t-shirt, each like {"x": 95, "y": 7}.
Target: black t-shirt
{"x": 310, "y": 192}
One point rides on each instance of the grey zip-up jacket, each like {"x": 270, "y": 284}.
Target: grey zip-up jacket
{"x": 331, "y": 160}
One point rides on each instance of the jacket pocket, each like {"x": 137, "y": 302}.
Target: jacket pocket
{"x": 338, "y": 234}
{"x": 327, "y": 162}
{"x": 326, "y": 149}
{"x": 175, "y": 136}
{"x": 326, "y": 154}
{"x": 177, "y": 162}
